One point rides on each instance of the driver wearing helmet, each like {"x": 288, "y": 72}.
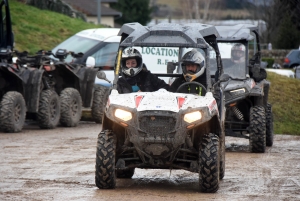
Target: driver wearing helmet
{"x": 135, "y": 76}
{"x": 193, "y": 70}
{"x": 238, "y": 53}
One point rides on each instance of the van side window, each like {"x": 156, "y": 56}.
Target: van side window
{"x": 106, "y": 56}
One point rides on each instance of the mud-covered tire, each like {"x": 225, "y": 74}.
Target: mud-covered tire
{"x": 105, "y": 177}
{"x": 71, "y": 107}
{"x": 12, "y": 112}
{"x": 49, "y": 109}
{"x": 222, "y": 159}
{"x": 257, "y": 129}
{"x": 125, "y": 173}
{"x": 269, "y": 126}
{"x": 99, "y": 102}
{"x": 209, "y": 162}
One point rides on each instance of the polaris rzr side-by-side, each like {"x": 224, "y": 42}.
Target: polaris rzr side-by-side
{"x": 248, "y": 113}
{"x": 162, "y": 129}
{"x": 12, "y": 103}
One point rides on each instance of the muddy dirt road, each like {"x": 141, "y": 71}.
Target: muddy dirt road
{"x": 59, "y": 165}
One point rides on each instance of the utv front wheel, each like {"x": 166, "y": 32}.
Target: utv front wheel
{"x": 257, "y": 129}
{"x": 12, "y": 112}
{"x": 209, "y": 161}
{"x": 71, "y": 107}
{"x": 99, "y": 102}
{"x": 49, "y": 109}
{"x": 105, "y": 177}
{"x": 269, "y": 125}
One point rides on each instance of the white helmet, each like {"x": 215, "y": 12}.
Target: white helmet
{"x": 131, "y": 53}
{"x": 240, "y": 57}
{"x": 193, "y": 57}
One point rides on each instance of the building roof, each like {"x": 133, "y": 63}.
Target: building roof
{"x": 89, "y": 7}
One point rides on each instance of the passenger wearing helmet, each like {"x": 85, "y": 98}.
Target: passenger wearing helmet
{"x": 193, "y": 69}
{"x": 135, "y": 76}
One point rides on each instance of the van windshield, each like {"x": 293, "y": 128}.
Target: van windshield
{"x": 76, "y": 44}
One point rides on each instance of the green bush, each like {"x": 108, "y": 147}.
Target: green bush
{"x": 270, "y": 61}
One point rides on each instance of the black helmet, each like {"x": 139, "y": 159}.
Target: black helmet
{"x": 193, "y": 57}
{"x": 238, "y": 58}
{"x": 131, "y": 53}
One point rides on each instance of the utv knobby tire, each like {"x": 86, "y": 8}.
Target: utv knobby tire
{"x": 269, "y": 126}
{"x": 12, "y": 112}
{"x": 49, "y": 109}
{"x": 125, "y": 173}
{"x": 71, "y": 107}
{"x": 257, "y": 129}
{"x": 99, "y": 102}
{"x": 105, "y": 177}
{"x": 209, "y": 162}
{"x": 222, "y": 159}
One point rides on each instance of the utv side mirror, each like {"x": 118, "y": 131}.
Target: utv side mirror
{"x": 171, "y": 67}
{"x": 224, "y": 77}
{"x": 101, "y": 75}
{"x": 90, "y": 62}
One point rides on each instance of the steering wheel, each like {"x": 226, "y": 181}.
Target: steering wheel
{"x": 183, "y": 88}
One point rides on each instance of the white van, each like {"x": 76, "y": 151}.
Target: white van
{"x": 100, "y": 43}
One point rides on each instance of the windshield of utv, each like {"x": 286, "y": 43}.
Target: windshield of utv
{"x": 233, "y": 59}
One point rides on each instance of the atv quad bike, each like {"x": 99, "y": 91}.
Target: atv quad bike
{"x": 248, "y": 113}
{"x": 162, "y": 129}
{"x": 12, "y": 103}
{"x": 71, "y": 81}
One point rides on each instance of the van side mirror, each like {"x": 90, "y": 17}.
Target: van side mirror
{"x": 90, "y": 62}
{"x": 171, "y": 66}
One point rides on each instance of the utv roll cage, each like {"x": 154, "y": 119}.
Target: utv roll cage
{"x": 160, "y": 35}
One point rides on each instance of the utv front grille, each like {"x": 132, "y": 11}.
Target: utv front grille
{"x": 157, "y": 124}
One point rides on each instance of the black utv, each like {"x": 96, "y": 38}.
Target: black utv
{"x": 248, "y": 112}
{"x": 162, "y": 129}
{"x": 12, "y": 103}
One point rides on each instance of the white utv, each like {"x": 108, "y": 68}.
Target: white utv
{"x": 161, "y": 129}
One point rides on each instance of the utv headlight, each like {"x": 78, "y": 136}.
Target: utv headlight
{"x": 122, "y": 114}
{"x": 237, "y": 92}
{"x": 193, "y": 116}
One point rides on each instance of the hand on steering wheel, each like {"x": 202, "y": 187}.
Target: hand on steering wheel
{"x": 186, "y": 88}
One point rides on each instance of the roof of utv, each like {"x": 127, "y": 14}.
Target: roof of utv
{"x": 236, "y": 32}
{"x": 167, "y": 35}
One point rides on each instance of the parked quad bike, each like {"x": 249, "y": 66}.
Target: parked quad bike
{"x": 158, "y": 129}
{"x": 248, "y": 112}
{"x": 73, "y": 82}
{"x": 12, "y": 105}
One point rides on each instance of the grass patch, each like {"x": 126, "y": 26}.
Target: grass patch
{"x": 285, "y": 99}
{"x": 36, "y": 29}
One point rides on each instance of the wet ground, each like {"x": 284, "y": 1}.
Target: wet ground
{"x": 59, "y": 165}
